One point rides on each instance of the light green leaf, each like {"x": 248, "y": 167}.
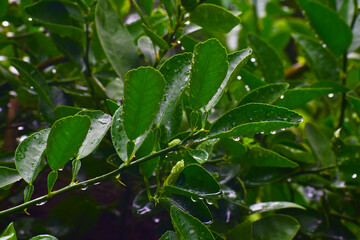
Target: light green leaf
{"x": 332, "y": 29}
{"x": 188, "y": 227}
{"x": 176, "y": 72}
{"x": 29, "y": 155}
{"x": 297, "y": 97}
{"x": 253, "y": 118}
{"x": 271, "y": 206}
{"x": 9, "y": 233}
{"x": 143, "y": 92}
{"x": 236, "y": 61}
{"x": 34, "y": 78}
{"x": 269, "y": 61}
{"x": 265, "y": 158}
{"x": 321, "y": 61}
{"x": 346, "y": 9}
{"x": 147, "y": 48}
{"x": 169, "y": 235}
{"x": 214, "y": 18}
{"x": 8, "y": 176}
{"x": 275, "y": 227}
{"x": 43, "y": 237}
{"x": 265, "y": 94}
{"x": 65, "y": 111}
{"x": 356, "y": 35}
{"x": 147, "y": 5}
{"x": 201, "y": 156}
{"x": 100, "y": 123}
{"x": 65, "y": 138}
{"x": 155, "y": 38}
{"x": 208, "y": 70}
{"x": 115, "y": 39}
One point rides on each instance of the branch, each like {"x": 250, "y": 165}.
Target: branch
{"x": 51, "y": 62}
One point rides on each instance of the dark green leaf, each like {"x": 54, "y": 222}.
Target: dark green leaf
{"x": 8, "y": 176}
{"x": 65, "y": 138}
{"x": 51, "y": 180}
{"x": 34, "y": 78}
{"x": 265, "y": 94}
{"x": 43, "y": 237}
{"x": 169, "y": 235}
{"x": 9, "y": 233}
{"x": 155, "y": 38}
{"x": 236, "y": 61}
{"x": 253, "y": 118}
{"x": 295, "y": 154}
{"x": 29, "y": 155}
{"x": 3, "y": 7}
{"x": 113, "y": 106}
{"x": 321, "y": 61}
{"x": 188, "y": 227}
{"x": 244, "y": 230}
{"x": 100, "y": 123}
{"x": 269, "y": 61}
{"x": 271, "y": 206}
{"x": 71, "y": 49}
{"x": 201, "y": 156}
{"x": 355, "y": 101}
{"x": 356, "y": 35}
{"x": 214, "y": 18}
{"x": 65, "y": 111}
{"x": 143, "y": 91}
{"x": 331, "y": 28}
{"x": 147, "y": 5}
{"x": 275, "y": 227}
{"x": 176, "y": 72}
{"x": 208, "y": 70}
{"x": 115, "y": 39}
{"x": 147, "y": 168}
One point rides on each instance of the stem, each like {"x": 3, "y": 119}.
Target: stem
{"x": 138, "y": 10}
{"x": 51, "y": 62}
{"x": 87, "y": 182}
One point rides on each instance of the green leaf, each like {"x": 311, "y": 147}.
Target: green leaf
{"x": 115, "y": 39}
{"x": 8, "y": 176}
{"x": 244, "y": 230}
{"x": 155, "y": 38}
{"x": 275, "y": 227}
{"x": 176, "y": 72}
{"x": 143, "y": 92}
{"x": 321, "y": 145}
{"x": 271, "y": 206}
{"x": 34, "y": 78}
{"x": 112, "y": 105}
{"x": 265, "y": 94}
{"x": 29, "y": 155}
{"x": 119, "y": 137}
{"x": 65, "y": 111}
{"x": 236, "y": 61}
{"x": 189, "y": 4}
{"x": 253, "y": 118}
{"x": 71, "y": 49}
{"x": 214, "y": 18}
{"x": 147, "y": 168}
{"x": 265, "y": 158}
{"x": 146, "y": 46}
{"x": 51, "y": 180}
{"x": 356, "y": 35}
{"x": 346, "y": 9}
{"x": 297, "y": 97}
{"x": 269, "y": 61}
{"x": 55, "y": 16}
{"x": 174, "y": 174}
{"x": 100, "y": 123}
{"x": 43, "y": 237}
{"x": 355, "y": 101}
{"x": 201, "y": 156}
{"x": 188, "y": 227}
{"x": 3, "y": 7}
{"x": 321, "y": 61}
{"x": 194, "y": 181}
{"x": 332, "y": 29}
{"x": 65, "y": 138}
{"x": 169, "y": 235}
{"x": 294, "y": 153}
{"x": 9, "y": 233}
{"x": 208, "y": 70}
{"x": 147, "y": 5}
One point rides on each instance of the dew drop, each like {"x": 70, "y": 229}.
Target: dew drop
{"x": 193, "y": 199}
{"x": 354, "y": 176}
{"x": 40, "y": 204}
{"x": 282, "y": 97}
{"x": 84, "y": 188}
{"x": 330, "y": 95}
{"x": 238, "y": 78}
{"x": 253, "y": 60}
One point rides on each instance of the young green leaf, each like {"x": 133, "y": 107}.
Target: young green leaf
{"x": 51, "y": 180}
{"x": 321, "y": 61}
{"x": 143, "y": 92}
{"x": 34, "y": 79}
{"x": 188, "y": 227}
{"x": 236, "y": 61}
{"x": 8, "y": 176}
{"x": 265, "y": 94}
{"x": 275, "y": 227}
{"x": 43, "y": 237}
{"x": 271, "y": 206}
{"x": 208, "y": 70}
{"x": 100, "y": 123}
{"x": 269, "y": 61}
{"x": 9, "y": 233}
{"x": 253, "y": 118}
{"x": 214, "y": 18}
{"x": 29, "y": 155}
{"x": 65, "y": 138}
{"x": 176, "y": 72}
{"x": 115, "y": 39}
{"x": 332, "y": 29}
{"x": 155, "y": 38}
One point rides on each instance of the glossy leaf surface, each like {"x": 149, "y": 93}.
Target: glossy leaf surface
{"x": 155, "y": 38}
{"x": 143, "y": 92}
{"x": 169, "y": 235}
{"x": 9, "y": 233}
{"x": 265, "y": 94}
{"x": 208, "y": 70}
{"x": 43, "y": 237}
{"x": 188, "y": 227}
{"x": 115, "y": 39}
{"x": 29, "y": 155}
{"x": 244, "y": 230}
{"x": 253, "y": 118}
{"x": 214, "y": 18}
{"x": 271, "y": 206}
{"x": 65, "y": 138}
{"x": 8, "y": 176}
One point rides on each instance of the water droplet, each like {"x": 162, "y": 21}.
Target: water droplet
{"x": 282, "y": 97}
{"x": 193, "y": 199}
{"x": 330, "y": 95}
{"x": 238, "y": 78}
{"x": 156, "y": 220}
{"x": 324, "y": 45}
{"x": 29, "y": 19}
{"x": 354, "y": 176}
{"x": 346, "y": 120}
{"x": 84, "y": 188}
{"x": 247, "y": 88}
{"x": 31, "y": 87}
{"x": 5, "y": 23}
{"x": 20, "y": 128}
{"x": 187, "y": 22}
{"x": 97, "y": 183}
{"x": 273, "y": 132}
{"x": 143, "y": 210}
{"x": 53, "y": 71}
{"x": 191, "y": 231}
{"x": 61, "y": 169}
{"x": 253, "y": 60}
{"x": 40, "y": 204}
{"x": 209, "y": 202}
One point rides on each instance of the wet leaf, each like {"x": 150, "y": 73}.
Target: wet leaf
{"x": 271, "y": 206}
{"x": 9, "y": 233}
{"x": 265, "y": 94}
{"x": 8, "y": 176}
